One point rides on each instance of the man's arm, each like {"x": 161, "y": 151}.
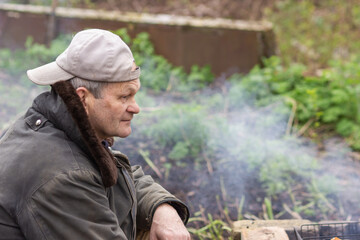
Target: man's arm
{"x": 167, "y": 224}
{"x": 157, "y": 208}
{"x": 72, "y": 205}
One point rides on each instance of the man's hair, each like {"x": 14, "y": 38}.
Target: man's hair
{"x": 94, "y": 87}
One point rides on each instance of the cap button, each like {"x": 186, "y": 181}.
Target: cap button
{"x": 38, "y": 122}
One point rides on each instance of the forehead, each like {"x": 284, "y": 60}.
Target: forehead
{"x": 129, "y": 86}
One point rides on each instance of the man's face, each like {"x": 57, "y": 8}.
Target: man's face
{"x": 111, "y": 115}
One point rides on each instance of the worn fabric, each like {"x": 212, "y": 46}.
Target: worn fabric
{"x": 93, "y": 54}
{"x": 51, "y": 186}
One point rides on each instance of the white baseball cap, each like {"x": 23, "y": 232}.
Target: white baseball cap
{"x": 94, "y": 55}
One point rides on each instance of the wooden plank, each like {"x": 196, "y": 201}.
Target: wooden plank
{"x": 228, "y": 46}
{"x": 264, "y": 233}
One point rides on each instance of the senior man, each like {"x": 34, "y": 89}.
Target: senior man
{"x": 59, "y": 178}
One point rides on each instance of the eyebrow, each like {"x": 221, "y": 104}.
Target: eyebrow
{"x": 131, "y": 89}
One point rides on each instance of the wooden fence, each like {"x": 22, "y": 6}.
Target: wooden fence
{"x": 228, "y": 46}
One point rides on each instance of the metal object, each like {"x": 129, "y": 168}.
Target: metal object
{"x": 328, "y": 231}
{"x": 38, "y": 122}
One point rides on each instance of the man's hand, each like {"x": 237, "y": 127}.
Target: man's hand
{"x": 167, "y": 224}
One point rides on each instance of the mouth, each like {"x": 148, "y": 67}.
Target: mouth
{"x": 127, "y": 119}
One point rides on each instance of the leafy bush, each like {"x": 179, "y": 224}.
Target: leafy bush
{"x": 16, "y": 63}
{"x": 312, "y": 32}
{"x": 331, "y": 98}
{"x": 158, "y": 74}
{"x": 180, "y": 128}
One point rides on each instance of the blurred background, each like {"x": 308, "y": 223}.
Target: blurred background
{"x": 250, "y": 108}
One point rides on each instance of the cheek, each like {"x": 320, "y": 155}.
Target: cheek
{"x": 100, "y": 113}
{"x": 117, "y": 109}
{"x": 107, "y": 108}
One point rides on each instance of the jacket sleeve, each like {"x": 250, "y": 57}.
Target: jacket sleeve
{"x": 149, "y": 196}
{"x": 72, "y": 205}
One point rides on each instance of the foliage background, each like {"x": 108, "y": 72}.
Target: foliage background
{"x": 272, "y": 143}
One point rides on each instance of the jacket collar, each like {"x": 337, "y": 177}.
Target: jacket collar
{"x": 63, "y": 108}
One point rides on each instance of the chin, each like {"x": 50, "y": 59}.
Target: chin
{"x": 124, "y": 134}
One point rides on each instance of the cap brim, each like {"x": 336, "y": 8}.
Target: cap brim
{"x": 48, "y": 74}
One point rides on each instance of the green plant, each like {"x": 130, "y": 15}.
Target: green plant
{"x": 157, "y": 73}
{"x": 268, "y": 207}
{"x": 180, "y": 128}
{"x": 240, "y": 208}
{"x": 323, "y": 189}
{"x": 311, "y": 33}
{"x": 331, "y": 98}
{"x": 214, "y": 229}
{"x": 15, "y": 63}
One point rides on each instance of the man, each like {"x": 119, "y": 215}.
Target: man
{"x": 58, "y": 177}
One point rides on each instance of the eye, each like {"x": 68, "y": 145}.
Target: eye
{"x": 126, "y": 97}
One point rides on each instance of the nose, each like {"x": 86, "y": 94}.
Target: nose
{"x": 133, "y": 108}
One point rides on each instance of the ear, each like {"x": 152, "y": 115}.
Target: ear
{"x": 85, "y": 97}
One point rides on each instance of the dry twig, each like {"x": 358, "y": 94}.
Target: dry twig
{"x": 292, "y": 213}
{"x": 305, "y": 127}
{"x": 208, "y": 163}
{"x": 292, "y": 115}
{"x": 145, "y": 154}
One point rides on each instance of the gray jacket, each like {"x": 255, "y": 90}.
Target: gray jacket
{"x": 52, "y": 187}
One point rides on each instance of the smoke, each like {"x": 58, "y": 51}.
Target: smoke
{"x": 340, "y": 162}
{"x": 217, "y": 147}
{"x": 246, "y": 152}
{"x": 231, "y": 151}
